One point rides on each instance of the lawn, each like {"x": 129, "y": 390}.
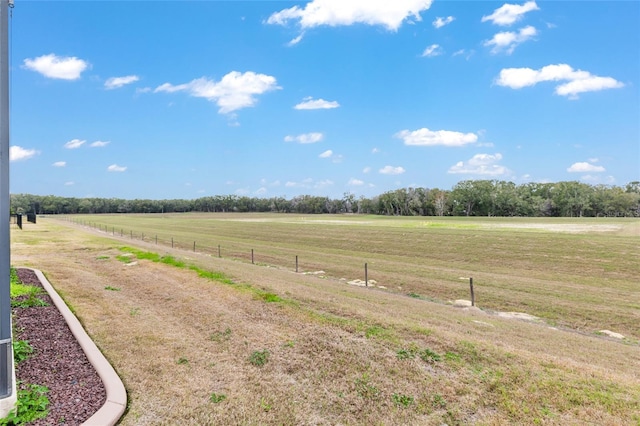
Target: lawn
{"x": 200, "y": 339}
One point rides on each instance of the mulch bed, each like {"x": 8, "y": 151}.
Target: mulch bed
{"x": 58, "y": 362}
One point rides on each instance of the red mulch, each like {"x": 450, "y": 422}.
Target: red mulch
{"x": 58, "y": 362}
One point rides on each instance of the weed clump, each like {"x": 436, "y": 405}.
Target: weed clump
{"x": 32, "y": 404}
{"x": 259, "y": 358}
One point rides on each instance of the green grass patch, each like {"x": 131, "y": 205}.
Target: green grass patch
{"x": 217, "y": 398}
{"x": 270, "y": 297}
{"x": 212, "y": 275}
{"x": 427, "y": 355}
{"x": 259, "y": 358}
{"x": 402, "y": 400}
{"x": 19, "y": 289}
{"x": 29, "y": 299}
{"x": 170, "y": 260}
{"x": 124, "y": 258}
{"x": 110, "y": 288}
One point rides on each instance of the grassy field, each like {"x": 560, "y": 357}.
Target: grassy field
{"x": 199, "y": 339}
{"x": 582, "y": 274}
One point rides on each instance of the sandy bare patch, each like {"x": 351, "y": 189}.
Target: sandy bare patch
{"x": 363, "y": 283}
{"x": 558, "y": 227}
{"x": 612, "y": 334}
{"x": 518, "y": 315}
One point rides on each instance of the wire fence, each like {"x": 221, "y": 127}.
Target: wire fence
{"x": 281, "y": 257}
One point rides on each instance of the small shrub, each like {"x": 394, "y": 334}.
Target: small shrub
{"x": 408, "y": 353}
{"x": 438, "y": 401}
{"x": 414, "y": 295}
{"x": 265, "y": 405}
{"x": 405, "y": 354}
{"x": 216, "y": 398}
{"x": 182, "y": 361}
{"x": 259, "y": 358}
{"x": 402, "y": 400}
{"x": 220, "y": 336}
{"x": 111, "y": 288}
{"x": 32, "y": 300}
{"x": 365, "y": 389}
{"x": 427, "y": 355}
{"x": 32, "y": 404}
{"x": 21, "y": 350}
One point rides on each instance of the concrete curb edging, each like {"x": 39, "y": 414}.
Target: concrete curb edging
{"x": 116, "y": 402}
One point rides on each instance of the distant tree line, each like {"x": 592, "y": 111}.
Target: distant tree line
{"x": 466, "y": 198}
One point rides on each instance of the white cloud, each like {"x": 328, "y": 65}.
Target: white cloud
{"x": 508, "y": 41}
{"x": 260, "y": 191}
{"x": 305, "y": 138}
{"x": 433, "y": 50}
{"x": 99, "y": 144}
{"x": 59, "y": 164}
{"x": 441, "y": 22}
{"x": 366, "y": 170}
{"x": 116, "y": 168}
{"x": 585, "y": 167}
{"x": 426, "y": 137}
{"x": 70, "y": 183}
{"x": 355, "y": 182}
{"x": 60, "y": 67}
{"x": 335, "y": 158}
{"x": 591, "y": 84}
{"x": 323, "y": 184}
{"x": 508, "y": 14}
{"x": 18, "y": 153}
{"x": 375, "y": 151}
{"x": 296, "y": 40}
{"x": 74, "y": 144}
{"x": 143, "y": 90}
{"x": 578, "y": 81}
{"x": 310, "y": 103}
{"x": 480, "y": 164}
{"x": 117, "y": 82}
{"x": 309, "y": 183}
{"x": 265, "y": 182}
{"x": 235, "y": 91}
{"x": 467, "y": 54}
{"x": 389, "y": 14}
{"x": 390, "y": 170}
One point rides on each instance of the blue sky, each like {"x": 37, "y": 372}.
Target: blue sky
{"x": 158, "y": 100}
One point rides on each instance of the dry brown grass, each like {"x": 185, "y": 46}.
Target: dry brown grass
{"x": 176, "y": 338}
